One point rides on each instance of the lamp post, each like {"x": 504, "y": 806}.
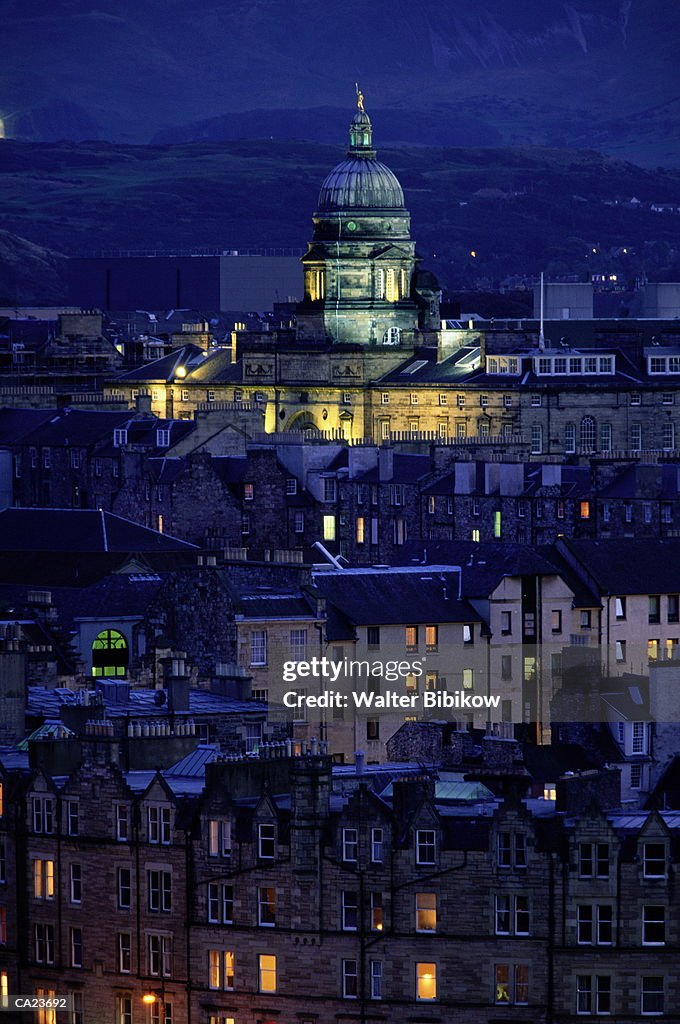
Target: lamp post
{"x": 156, "y": 996}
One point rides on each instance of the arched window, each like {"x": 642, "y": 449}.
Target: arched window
{"x": 588, "y": 434}
{"x": 392, "y": 286}
{"x": 391, "y": 336}
{"x": 110, "y": 654}
{"x": 570, "y": 437}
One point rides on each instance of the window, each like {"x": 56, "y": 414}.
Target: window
{"x": 654, "y": 860}
{"x": 44, "y": 943}
{"x": 298, "y": 644}
{"x": 426, "y": 912}
{"x": 124, "y": 887}
{"x": 570, "y": 437}
{"x": 468, "y": 634}
{"x": 511, "y": 848}
{"x": 219, "y": 837}
{"x": 593, "y": 860}
{"x": 291, "y": 485}
{"x": 373, "y": 636}
{"x": 221, "y": 969}
{"x": 245, "y": 524}
{"x": 3, "y": 926}
{"x": 220, "y": 903}
{"x": 506, "y": 666}
{"x": 43, "y": 879}
{"x": 593, "y": 924}
{"x": 75, "y": 883}
{"x": 124, "y": 1009}
{"x": 593, "y": 993}
{"x": 266, "y": 901}
{"x": 266, "y": 835}
{"x": 431, "y": 638}
{"x": 124, "y": 953}
{"x": 620, "y": 650}
{"x": 376, "y": 969}
{"x": 159, "y": 951}
{"x": 506, "y": 623}
{"x": 654, "y": 609}
{"x": 72, "y": 818}
{"x": 76, "y": 946}
{"x": 248, "y": 492}
{"x": 119, "y": 437}
{"x": 585, "y": 619}
{"x": 584, "y": 509}
{"x": 163, "y": 438}
{"x": 360, "y": 532}
{"x": 635, "y": 398}
{"x": 258, "y": 647}
{"x": 635, "y": 776}
{"x": 384, "y": 398}
{"x": 666, "y": 512}
{"x": 350, "y": 911}
{"x": 350, "y": 979}
{"x": 653, "y": 925}
{"x": 159, "y": 886}
{"x": 639, "y": 740}
{"x": 636, "y": 437}
{"x": 556, "y": 621}
{"x": 483, "y": 401}
{"x": 588, "y": 434}
{"x": 652, "y": 994}
{"x": 299, "y": 522}
{"x": 328, "y": 527}
{"x": 536, "y": 401}
{"x": 267, "y": 972}
{"x": 667, "y": 398}
{"x": 426, "y": 981}
{"x": 376, "y": 912}
{"x": 536, "y": 439}
{"x": 43, "y": 815}
{"x": 605, "y": 437}
{"x": 350, "y": 844}
{"x": 653, "y": 649}
{"x": 468, "y": 679}
{"x": 413, "y": 398}
{"x": 377, "y": 839}
{"x": 159, "y": 825}
{"x": 426, "y": 846}
{"x": 78, "y": 1010}
{"x": 511, "y": 985}
{"x": 620, "y": 608}
{"x": 411, "y": 637}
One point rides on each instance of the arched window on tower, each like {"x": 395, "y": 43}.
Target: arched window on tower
{"x": 392, "y": 286}
{"x": 588, "y": 434}
{"x": 380, "y": 284}
{"x": 110, "y": 654}
{"x": 316, "y": 284}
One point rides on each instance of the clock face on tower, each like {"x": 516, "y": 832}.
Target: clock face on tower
{"x": 351, "y": 225}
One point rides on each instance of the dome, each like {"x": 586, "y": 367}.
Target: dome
{"x": 361, "y": 183}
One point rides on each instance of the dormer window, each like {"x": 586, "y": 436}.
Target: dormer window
{"x": 426, "y": 846}
{"x": 120, "y": 437}
{"x": 162, "y": 438}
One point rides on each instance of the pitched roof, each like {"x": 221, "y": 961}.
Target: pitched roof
{"x": 79, "y": 530}
{"x": 630, "y": 566}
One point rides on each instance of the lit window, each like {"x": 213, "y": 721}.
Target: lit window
{"x": 43, "y": 879}
{"x": 219, "y": 837}
{"x": 329, "y": 528}
{"x": 360, "y": 530}
{"x": 267, "y": 972}
{"x": 511, "y": 985}
{"x": 411, "y": 635}
{"x": 426, "y": 912}
{"x": 426, "y": 981}
{"x": 431, "y": 638}
{"x": 266, "y": 900}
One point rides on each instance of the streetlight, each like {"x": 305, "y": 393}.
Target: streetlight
{"x": 153, "y": 997}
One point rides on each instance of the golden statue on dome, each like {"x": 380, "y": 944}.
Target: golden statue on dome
{"x": 360, "y": 97}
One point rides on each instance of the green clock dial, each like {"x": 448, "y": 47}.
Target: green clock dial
{"x": 351, "y": 225}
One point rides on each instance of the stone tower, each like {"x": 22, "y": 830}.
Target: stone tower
{"x": 360, "y": 269}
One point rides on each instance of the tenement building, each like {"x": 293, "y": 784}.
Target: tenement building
{"x": 275, "y": 890}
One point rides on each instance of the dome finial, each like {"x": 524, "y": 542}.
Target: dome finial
{"x": 360, "y": 130}
{"x": 360, "y": 97}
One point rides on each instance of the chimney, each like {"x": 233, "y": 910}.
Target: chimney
{"x": 551, "y": 474}
{"x": 465, "y": 478}
{"x": 492, "y": 477}
{"x": 511, "y": 478}
{"x": 143, "y": 404}
{"x": 385, "y": 463}
{"x": 359, "y": 762}
{"x": 411, "y": 793}
{"x": 310, "y": 786}
{"x": 177, "y": 682}
{"x": 579, "y": 792}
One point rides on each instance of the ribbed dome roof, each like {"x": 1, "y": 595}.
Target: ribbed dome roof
{"x": 360, "y": 183}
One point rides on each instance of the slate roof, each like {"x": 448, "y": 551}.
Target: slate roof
{"x": 79, "y": 530}
{"x": 258, "y": 604}
{"x": 382, "y": 598}
{"x": 484, "y": 565}
{"x": 165, "y": 368}
{"x": 81, "y": 427}
{"x": 630, "y": 566}
{"x": 407, "y": 469}
{"x": 15, "y": 424}
{"x": 46, "y": 702}
{"x": 659, "y": 482}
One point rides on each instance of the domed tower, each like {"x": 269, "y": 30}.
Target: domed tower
{"x": 359, "y": 269}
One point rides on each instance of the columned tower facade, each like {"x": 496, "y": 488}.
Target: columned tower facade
{"x": 360, "y": 268}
